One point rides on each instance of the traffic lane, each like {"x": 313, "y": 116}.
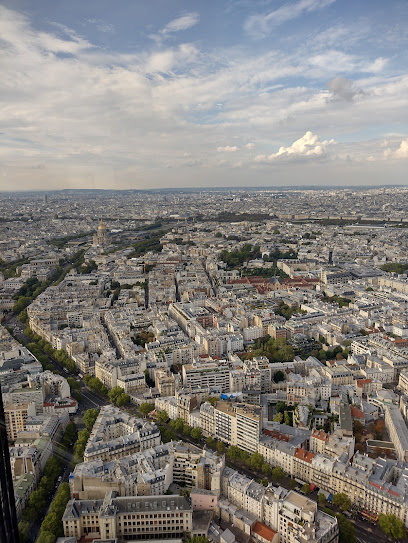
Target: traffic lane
{"x": 89, "y": 399}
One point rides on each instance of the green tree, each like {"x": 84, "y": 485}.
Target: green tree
{"x": 292, "y": 484}
{"x": 211, "y": 442}
{"x": 23, "y": 317}
{"x": 145, "y": 408}
{"x": 278, "y": 376}
{"x": 69, "y": 436}
{"x": 51, "y": 523}
{"x": 211, "y": 399}
{"x": 178, "y": 425}
{"x": 306, "y": 488}
{"x": 73, "y": 384}
{"x": 234, "y": 452}
{"x": 278, "y": 418}
{"x": 267, "y": 470}
{"x": 37, "y": 499}
{"x": 256, "y": 461}
{"x": 244, "y": 456}
{"x": 322, "y": 355}
{"x": 321, "y": 498}
{"x": 114, "y": 394}
{"x": 162, "y": 416}
{"x": 280, "y": 407}
{"x": 46, "y": 537}
{"x": 347, "y": 532}
{"x": 278, "y": 473}
{"x": 197, "y": 434}
{"x": 342, "y": 501}
{"x": 123, "y": 399}
{"x": 392, "y": 526}
{"x": 186, "y": 429}
{"x": 90, "y": 417}
{"x": 52, "y": 468}
{"x": 221, "y": 447}
{"x": 285, "y": 354}
{"x": 24, "y": 528}
{"x": 167, "y": 434}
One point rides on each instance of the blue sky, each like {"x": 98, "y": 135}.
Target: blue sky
{"x": 142, "y": 94}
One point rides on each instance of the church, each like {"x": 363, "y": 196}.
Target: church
{"x": 101, "y": 236}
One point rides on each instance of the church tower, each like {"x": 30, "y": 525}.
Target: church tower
{"x": 101, "y": 237}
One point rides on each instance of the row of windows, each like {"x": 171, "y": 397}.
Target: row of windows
{"x": 151, "y": 522}
{"x": 135, "y": 515}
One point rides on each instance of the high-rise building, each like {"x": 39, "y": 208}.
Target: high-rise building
{"x": 8, "y": 517}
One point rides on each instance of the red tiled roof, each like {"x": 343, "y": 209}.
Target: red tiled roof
{"x": 356, "y": 413}
{"x": 319, "y": 434}
{"x": 263, "y": 531}
{"x": 361, "y": 382}
{"x": 304, "y": 455}
{"x": 276, "y": 435}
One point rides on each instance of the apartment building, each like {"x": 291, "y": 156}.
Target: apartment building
{"x": 165, "y": 383}
{"x": 169, "y": 405}
{"x": 207, "y": 419}
{"x": 398, "y": 431}
{"x": 258, "y": 370}
{"x": 238, "y": 424}
{"x": 125, "y": 518}
{"x": 206, "y": 374}
{"x": 16, "y": 417}
{"x": 186, "y": 403}
{"x": 403, "y": 381}
{"x": 294, "y": 517}
{"x": 116, "y": 434}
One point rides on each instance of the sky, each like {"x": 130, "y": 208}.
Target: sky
{"x": 185, "y": 93}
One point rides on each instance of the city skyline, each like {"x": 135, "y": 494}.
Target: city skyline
{"x": 158, "y": 94}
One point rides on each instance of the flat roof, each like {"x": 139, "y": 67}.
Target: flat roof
{"x": 146, "y": 504}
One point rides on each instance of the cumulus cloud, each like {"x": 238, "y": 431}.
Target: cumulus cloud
{"x": 249, "y": 145}
{"x": 227, "y": 149}
{"x": 343, "y": 89}
{"x": 401, "y": 152}
{"x": 259, "y": 26}
{"x": 306, "y": 146}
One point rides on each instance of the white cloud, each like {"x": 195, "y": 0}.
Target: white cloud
{"x": 95, "y": 116}
{"x": 168, "y": 59}
{"x": 401, "y": 152}
{"x": 181, "y": 23}
{"x": 306, "y": 146}
{"x": 343, "y": 89}
{"x": 101, "y": 25}
{"x": 259, "y": 26}
{"x": 227, "y": 149}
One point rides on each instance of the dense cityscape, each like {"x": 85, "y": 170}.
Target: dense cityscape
{"x": 217, "y": 365}
{"x": 203, "y": 271}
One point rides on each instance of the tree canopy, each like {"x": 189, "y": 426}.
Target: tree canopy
{"x": 342, "y": 501}
{"x": 145, "y": 408}
{"x": 392, "y": 526}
